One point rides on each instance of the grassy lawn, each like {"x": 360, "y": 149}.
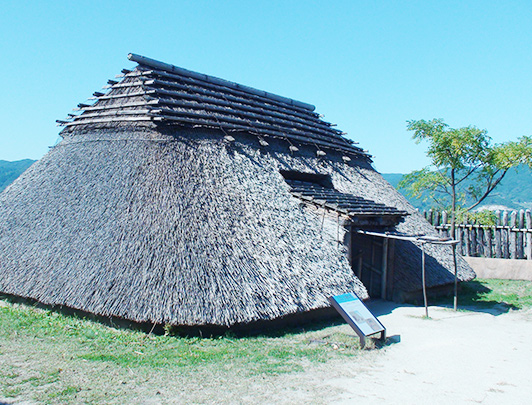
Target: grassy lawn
{"x": 52, "y": 358}
{"x": 49, "y": 357}
{"x": 514, "y": 294}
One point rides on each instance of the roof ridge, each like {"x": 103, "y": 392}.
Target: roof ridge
{"x": 165, "y": 94}
{"x": 143, "y": 60}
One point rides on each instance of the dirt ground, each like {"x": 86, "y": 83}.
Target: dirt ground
{"x": 454, "y": 357}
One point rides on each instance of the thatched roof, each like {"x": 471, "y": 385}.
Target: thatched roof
{"x": 347, "y": 204}
{"x": 158, "y": 221}
{"x": 159, "y": 92}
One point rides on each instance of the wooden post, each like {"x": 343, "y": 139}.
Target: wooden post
{"x": 498, "y": 236}
{"x": 513, "y": 235}
{"x": 455, "y": 298}
{"x": 391, "y": 269}
{"x": 505, "y": 238}
{"x": 474, "y": 244}
{"x": 520, "y": 235}
{"x": 461, "y": 239}
{"x": 444, "y": 223}
{"x": 423, "y": 280}
{"x": 528, "y": 219}
{"x": 384, "y": 274}
{"x": 349, "y": 241}
{"x": 488, "y": 234}
{"x": 467, "y": 242}
{"x": 481, "y": 241}
{"x": 359, "y": 268}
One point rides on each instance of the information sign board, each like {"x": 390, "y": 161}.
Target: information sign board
{"x": 358, "y": 316}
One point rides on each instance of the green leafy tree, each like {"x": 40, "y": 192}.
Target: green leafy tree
{"x": 465, "y": 167}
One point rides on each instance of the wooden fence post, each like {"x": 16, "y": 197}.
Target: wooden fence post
{"x": 460, "y": 236}
{"x": 498, "y": 236}
{"x": 488, "y": 235}
{"x": 444, "y": 223}
{"x": 513, "y": 235}
{"x": 520, "y": 235}
{"x": 481, "y": 241}
{"x": 528, "y": 217}
{"x": 473, "y": 235}
{"x": 504, "y": 236}
{"x": 467, "y": 238}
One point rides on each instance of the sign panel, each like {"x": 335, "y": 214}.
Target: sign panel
{"x": 357, "y": 315}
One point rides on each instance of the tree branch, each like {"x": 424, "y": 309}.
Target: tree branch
{"x": 489, "y": 189}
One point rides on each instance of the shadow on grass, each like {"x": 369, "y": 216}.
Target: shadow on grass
{"x": 473, "y": 296}
{"x": 314, "y": 321}
{"x": 476, "y": 296}
{"x": 291, "y": 324}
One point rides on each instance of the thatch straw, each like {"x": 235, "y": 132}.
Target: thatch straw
{"x": 183, "y": 228}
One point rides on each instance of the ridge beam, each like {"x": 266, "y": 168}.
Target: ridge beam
{"x": 142, "y": 60}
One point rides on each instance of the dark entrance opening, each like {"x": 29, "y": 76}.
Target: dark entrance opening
{"x": 372, "y": 263}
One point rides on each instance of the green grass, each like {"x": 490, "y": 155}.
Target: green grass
{"x": 487, "y": 293}
{"x": 515, "y": 294}
{"x": 49, "y": 357}
{"x": 66, "y": 359}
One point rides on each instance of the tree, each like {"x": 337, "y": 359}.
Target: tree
{"x": 465, "y": 167}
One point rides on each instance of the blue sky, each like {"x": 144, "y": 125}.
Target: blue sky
{"x": 368, "y": 66}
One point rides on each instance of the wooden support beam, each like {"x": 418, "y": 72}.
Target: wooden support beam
{"x": 82, "y": 117}
{"x": 231, "y": 125}
{"x": 244, "y": 99}
{"x": 108, "y": 120}
{"x": 384, "y": 274}
{"x": 126, "y": 95}
{"x": 118, "y": 106}
{"x": 213, "y": 97}
{"x": 257, "y": 121}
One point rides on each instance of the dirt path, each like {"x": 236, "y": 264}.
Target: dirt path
{"x": 460, "y": 357}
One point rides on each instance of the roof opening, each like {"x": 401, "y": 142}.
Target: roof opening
{"x": 323, "y": 180}
{"x": 318, "y": 190}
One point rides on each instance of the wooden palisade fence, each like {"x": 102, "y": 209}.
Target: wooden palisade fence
{"x": 510, "y": 238}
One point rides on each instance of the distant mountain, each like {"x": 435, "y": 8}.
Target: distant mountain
{"x": 514, "y": 192}
{"x": 9, "y": 171}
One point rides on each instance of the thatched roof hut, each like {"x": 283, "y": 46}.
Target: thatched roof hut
{"x": 184, "y": 199}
